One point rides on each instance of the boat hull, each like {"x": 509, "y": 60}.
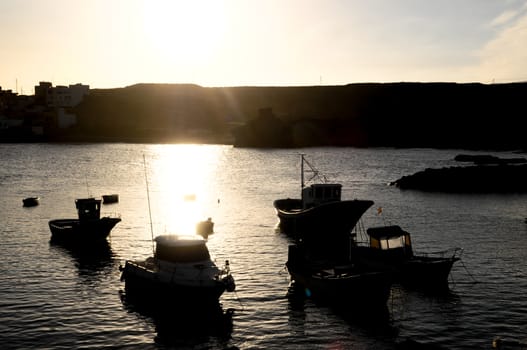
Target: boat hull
{"x": 143, "y": 280}
{"x": 369, "y": 290}
{"x": 426, "y": 271}
{"x": 335, "y": 217}
{"x": 340, "y": 282}
{"x": 74, "y": 230}
{"x": 416, "y": 271}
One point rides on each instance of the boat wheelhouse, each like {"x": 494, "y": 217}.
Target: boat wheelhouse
{"x": 390, "y": 248}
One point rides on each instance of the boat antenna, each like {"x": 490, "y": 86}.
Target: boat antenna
{"x": 149, "y": 209}
{"x": 87, "y": 186}
{"x": 302, "y": 169}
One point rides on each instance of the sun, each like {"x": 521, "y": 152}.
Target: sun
{"x": 184, "y": 31}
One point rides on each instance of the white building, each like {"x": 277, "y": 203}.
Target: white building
{"x": 69, "y": 96}
{"x": 61, "y": 96}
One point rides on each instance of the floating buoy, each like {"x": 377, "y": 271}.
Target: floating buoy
{"x": 205, "y": 228}
{"x": 31, "y": 201}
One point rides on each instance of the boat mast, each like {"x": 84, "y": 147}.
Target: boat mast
{"x": 149, "y": 209}
{"x": 312, "y": 169}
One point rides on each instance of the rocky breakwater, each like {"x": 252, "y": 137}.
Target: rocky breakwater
{"x": 489, "y": 175}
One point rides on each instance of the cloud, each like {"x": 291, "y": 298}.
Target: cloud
{"x": 503, "y": 18}
{"x": 504, "y": 58}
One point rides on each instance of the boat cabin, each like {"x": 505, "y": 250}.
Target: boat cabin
{"x": 392, "y": 240}
{"x": 181, "y": 249}
{"x": 317, "y": 194}
{"x": 88, "y": 208}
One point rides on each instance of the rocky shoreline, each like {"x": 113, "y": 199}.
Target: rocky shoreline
{"x": 489, "y": 175}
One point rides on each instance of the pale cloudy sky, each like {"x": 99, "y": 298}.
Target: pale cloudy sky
{"x": 116, "y": 43}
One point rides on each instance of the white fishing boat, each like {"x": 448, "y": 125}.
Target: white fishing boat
{"x": 181, "y": 270}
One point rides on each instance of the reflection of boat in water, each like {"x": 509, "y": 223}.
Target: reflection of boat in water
{"x": 90, "y": 258}
{"x": 390, "y": 248}
{"x": 110, "y": 198}
{"x": 181, "y": 271}
{"x": 30, "y": 201}
{"x": 89, "y": 227}
{"x": 319, "y": 209}
{"x": 183, "y": 325}
{"x": 304, "y": 310}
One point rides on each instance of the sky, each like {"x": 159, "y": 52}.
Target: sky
{"x": 117, "y": 43}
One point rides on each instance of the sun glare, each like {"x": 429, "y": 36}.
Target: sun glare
{"x": 183, "y": 31}
{"x": 181, "y": 186}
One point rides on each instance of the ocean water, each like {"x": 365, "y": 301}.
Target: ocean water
{"x": 52, "y": 297}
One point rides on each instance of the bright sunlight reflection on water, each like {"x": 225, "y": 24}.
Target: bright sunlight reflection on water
{"x": 180, "y": 180}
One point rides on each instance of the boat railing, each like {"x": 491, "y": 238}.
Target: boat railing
{"x": 361, "y": 243}
{"x": 111, "y": 215}
{"x": 452, "y": 253}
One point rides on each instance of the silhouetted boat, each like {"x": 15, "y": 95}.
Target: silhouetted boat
{"x": 110, "y": 198}
{"x": 390, "y": 248}
{"x": 320, "y": 208}
{"x": 181, "y": 270}
{"x": 338, "y": 281}
{"x": 30, "y": 201}
{"x": 88, "y": 227}
{"x": 205, "y": 228}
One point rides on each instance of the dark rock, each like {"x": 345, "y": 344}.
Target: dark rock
{"x": 470, "y": 179}
{"x": 488, "y": 159}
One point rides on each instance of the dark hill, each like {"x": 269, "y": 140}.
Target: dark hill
{"x": 443, "y": 115}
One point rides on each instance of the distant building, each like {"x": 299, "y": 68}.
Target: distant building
{"x": 43, "y": 93}
{"x": 7, "y": 98}
{"x": 60, "y": 96}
